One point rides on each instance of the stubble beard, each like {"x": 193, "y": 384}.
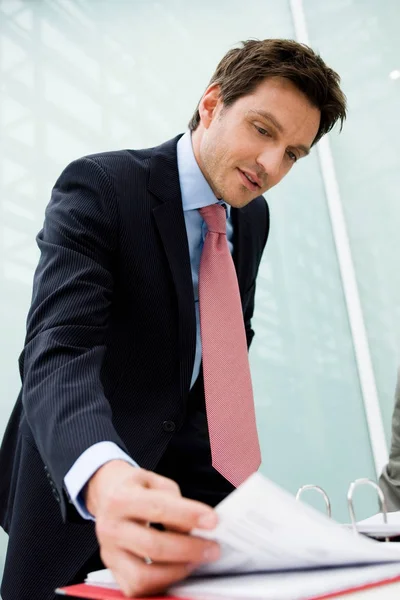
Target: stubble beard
{"x": 213, "y": 162}
{"x": 217, "y": 178}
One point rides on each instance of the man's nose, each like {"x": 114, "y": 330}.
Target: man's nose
{"x": 271, "y": 160}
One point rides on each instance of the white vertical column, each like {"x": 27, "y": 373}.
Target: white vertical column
{"x": 350, "y": 288}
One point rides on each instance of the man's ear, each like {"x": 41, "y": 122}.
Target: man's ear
{"x": 209, "y": 103}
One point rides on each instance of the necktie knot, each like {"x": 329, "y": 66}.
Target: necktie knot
{"x": 215, "y": 217}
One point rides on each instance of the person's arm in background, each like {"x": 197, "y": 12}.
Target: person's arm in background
{"x": 64, "y": 402}
{"x": 389, "y": 481}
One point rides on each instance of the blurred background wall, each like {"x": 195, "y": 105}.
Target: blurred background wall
{"x": 83, "y": 76}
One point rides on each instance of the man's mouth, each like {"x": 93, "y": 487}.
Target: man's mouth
{"x": 250, "y": 181}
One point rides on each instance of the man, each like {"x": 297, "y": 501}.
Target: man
{"x": 389, "y": 481}
{"x": 136, "y": 403}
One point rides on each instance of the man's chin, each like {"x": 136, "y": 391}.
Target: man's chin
{"x": 242, "y": 201}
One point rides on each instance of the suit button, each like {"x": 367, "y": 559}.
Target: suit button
{"x": 168, "y": 426}
{"x": 55, "y": 493}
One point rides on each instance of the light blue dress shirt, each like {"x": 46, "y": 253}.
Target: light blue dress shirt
{"x": 196, "y": 193}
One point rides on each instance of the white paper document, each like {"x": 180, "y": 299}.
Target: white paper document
{"x": 263, "y": 529}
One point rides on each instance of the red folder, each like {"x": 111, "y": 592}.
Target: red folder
{"x": 82, "y": 590}
{"x": 90, "y": 592}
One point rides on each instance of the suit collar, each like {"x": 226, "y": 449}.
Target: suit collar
{"x": 164, "y": 184}
{"x": 164, "y": 175}
{"x": 195, "y": 189}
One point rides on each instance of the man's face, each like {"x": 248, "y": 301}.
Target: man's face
{"x": 245, "y": 149}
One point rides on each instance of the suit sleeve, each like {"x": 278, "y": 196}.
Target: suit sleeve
{"x": 250, "y": 295}
{"x": 389, "y": 481}
{"x": 63, "y": 398}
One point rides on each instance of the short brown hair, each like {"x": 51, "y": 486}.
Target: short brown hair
{"x": 242, "y": 69}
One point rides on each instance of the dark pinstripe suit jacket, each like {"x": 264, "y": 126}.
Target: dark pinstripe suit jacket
{"x": 109, "y": 348}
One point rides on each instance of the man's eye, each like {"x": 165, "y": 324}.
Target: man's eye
{"x": 261, "y": 130}
{"x": 292, "y": 156}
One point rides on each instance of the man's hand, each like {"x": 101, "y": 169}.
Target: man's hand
{"x": 124, "y": 499}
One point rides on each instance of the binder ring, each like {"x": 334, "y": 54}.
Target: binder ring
{"x": 318, "y": 489}
{"x": 382, "y": 501}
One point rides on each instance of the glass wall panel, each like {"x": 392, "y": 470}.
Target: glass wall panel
{"x": 310, "y": 410}
{"x": 361, "y": 38}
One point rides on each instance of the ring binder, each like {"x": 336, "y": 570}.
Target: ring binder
{"x": 353, "y": 485}
{"x": 382, "y": 501}
{"x": 319, "y": 489}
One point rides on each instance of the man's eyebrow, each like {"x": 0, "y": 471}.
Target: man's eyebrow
{"x": 270, "y": 117}
{"x": 305, "y": 149}
{"x": 267, "y": 115}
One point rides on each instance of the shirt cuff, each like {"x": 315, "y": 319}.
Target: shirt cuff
{"x": 85, "y": 466}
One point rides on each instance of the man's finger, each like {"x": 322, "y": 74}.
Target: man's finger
{"x": 135, "y": 578}
{"x": 175, "y": 512}
{"x": 164, "y": 546}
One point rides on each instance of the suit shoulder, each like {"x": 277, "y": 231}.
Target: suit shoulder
{"x": 122, "y": 162}
{"x": 117, "y": 166}
{"x": 119, "y": 160}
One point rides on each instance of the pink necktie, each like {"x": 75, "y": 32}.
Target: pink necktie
{"x": 228, "y": 391}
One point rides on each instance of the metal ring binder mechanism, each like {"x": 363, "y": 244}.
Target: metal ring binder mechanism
{"x": 350, "y": 493}
{"x": 318, "y": 489}
{"x": 382, "y": 501}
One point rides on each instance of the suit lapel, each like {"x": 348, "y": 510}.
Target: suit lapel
{"x": 170, "y": 222}
{"x": 241, "y": 233}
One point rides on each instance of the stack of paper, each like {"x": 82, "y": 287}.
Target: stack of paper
{"x": 300, "y": 585}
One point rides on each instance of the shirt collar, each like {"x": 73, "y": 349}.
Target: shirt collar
{"x": 195, "y": 189}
